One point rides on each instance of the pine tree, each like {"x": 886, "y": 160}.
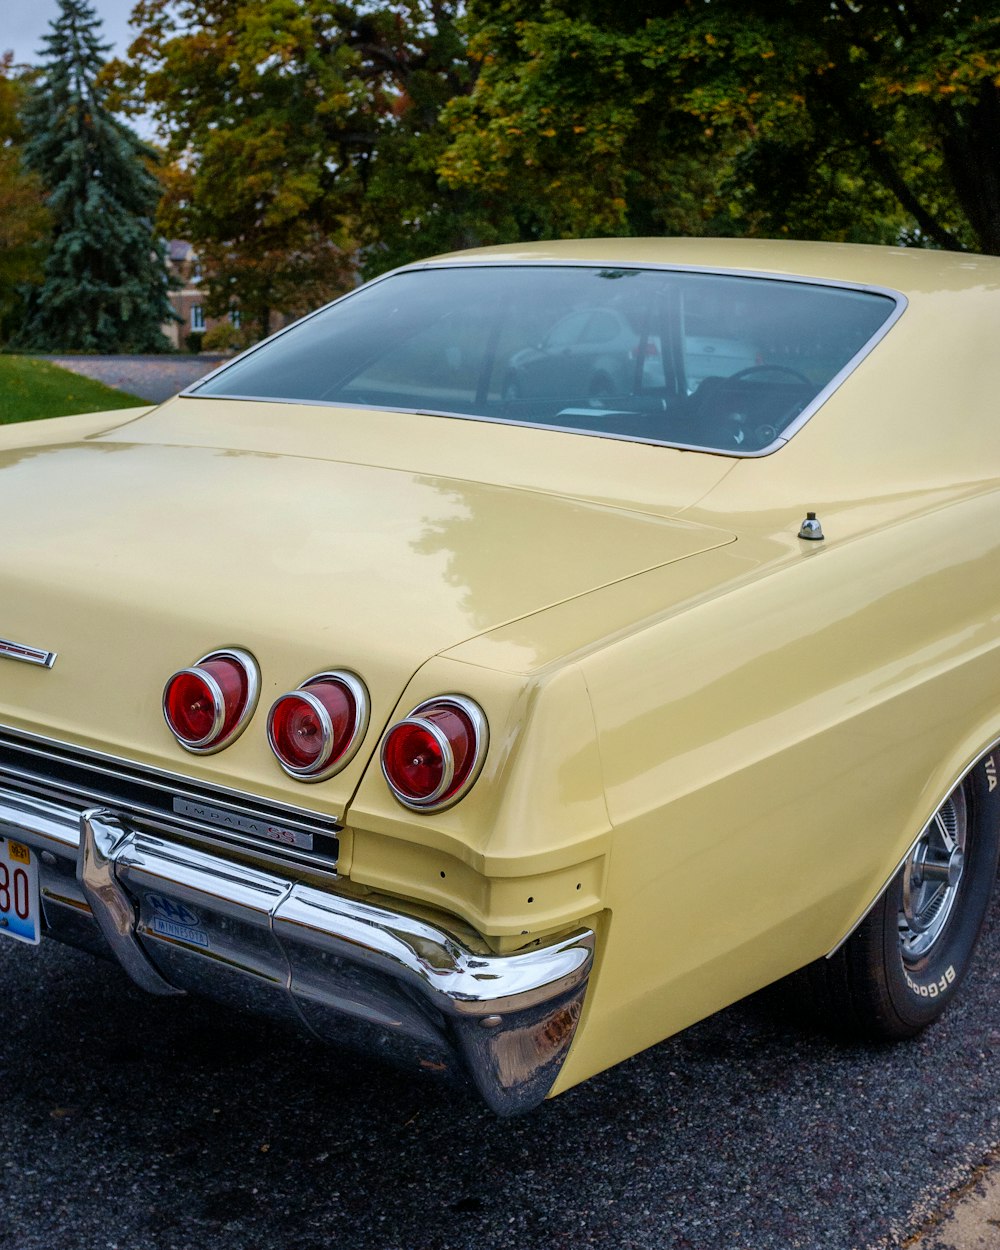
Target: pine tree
{"x": 105, "y": 287}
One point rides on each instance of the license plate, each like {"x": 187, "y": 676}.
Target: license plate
{"x": 19, "y": 907}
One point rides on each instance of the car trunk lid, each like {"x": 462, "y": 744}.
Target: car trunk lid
{"x": 131, "y": 560}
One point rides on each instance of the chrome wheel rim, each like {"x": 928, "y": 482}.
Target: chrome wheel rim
{"x": 932, "y": 876}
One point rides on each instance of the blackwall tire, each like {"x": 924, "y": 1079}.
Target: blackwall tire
{"x": 903, "y": 965}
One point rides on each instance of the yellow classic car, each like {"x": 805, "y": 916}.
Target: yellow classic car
{"x": 527, "y": 655}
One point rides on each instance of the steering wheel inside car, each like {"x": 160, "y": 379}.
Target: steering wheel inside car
{"x": 756, "y": 370}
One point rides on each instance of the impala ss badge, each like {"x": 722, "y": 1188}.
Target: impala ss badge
{"x": 243, "y": 824}
{"x": 29, "y": 655}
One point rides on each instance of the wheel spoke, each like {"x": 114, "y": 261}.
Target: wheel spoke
{"x": 944, "y": 832}
{"x": 931, "y": 878}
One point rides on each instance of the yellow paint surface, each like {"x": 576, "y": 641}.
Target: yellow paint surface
{"x": 709, "y": 738}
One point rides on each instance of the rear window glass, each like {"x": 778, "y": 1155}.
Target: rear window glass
{"x": 726, "y": 363}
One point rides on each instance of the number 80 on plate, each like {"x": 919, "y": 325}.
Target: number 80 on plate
{"x": 19, "y": 908}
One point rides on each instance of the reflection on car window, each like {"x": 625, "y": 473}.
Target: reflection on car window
{"x": 693, "y": 359}
{"x": 567, "y": 331}
{"x": 601, "y": 327}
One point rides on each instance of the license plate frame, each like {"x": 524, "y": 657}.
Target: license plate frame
{"x": 20, "y": 901}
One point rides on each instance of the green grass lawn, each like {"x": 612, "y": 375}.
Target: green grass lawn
{"x": 31, "y": 389}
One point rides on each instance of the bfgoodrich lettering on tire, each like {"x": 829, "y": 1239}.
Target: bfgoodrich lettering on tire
{"x": 903, "y": 965}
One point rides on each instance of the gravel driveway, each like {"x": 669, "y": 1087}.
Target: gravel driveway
{"x": 154, "y": 378}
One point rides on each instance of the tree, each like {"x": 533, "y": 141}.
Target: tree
{"x": 853, "y": 119}
{"x": 407, "y": 211}
{"x": 304, "y": 138}
{"x": 576, "y": 121}
{"x": 105, "y": 286}
{"x": 24, "y": 221}
{"x": 905, "y": 95}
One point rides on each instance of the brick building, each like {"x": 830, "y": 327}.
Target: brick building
{"x": 188, "y": 300}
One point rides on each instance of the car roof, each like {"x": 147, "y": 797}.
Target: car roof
{"x": 907, "y": 269}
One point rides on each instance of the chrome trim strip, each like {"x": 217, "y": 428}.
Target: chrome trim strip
{"x": 56, "y": 828}
{"x": 85, "y": 791}
{"x": 912, "y": 847}
{"x": 162, "y": 779}
{"x": 27, "y": 655}
{"x": 459, "y": 981}
{"x": 899, "y": 300}
{"x": 211, "y": 834}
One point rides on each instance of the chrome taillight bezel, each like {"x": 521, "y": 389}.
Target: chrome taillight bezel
{"x": 211, "y": 742}
{"x": 324, "y": 767}
{"x": 440, "y": 799}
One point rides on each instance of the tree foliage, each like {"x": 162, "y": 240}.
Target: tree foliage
{"x": 853, "y": 119}
{"x": 105, "y": 286}
{"x": 24, "y": 221}
{"x": 301, "y": 131}
{"x": 310, "y": 138}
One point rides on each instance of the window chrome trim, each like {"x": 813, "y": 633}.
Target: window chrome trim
{"x": 899, "y": 300}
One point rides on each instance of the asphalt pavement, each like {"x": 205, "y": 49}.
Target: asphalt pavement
{"x": 129, "y": 1121}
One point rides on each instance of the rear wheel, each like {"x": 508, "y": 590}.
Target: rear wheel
{"x": 904, "y": 963}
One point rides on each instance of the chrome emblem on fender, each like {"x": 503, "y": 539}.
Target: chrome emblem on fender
{"x": 29, "y": 655}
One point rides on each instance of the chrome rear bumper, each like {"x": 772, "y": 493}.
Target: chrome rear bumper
{"x": 181, "y": 919}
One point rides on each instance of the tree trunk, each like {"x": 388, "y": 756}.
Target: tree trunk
{"x": 972, "y": 155}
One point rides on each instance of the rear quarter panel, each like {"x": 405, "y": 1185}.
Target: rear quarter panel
{"x": 769, "y": 756}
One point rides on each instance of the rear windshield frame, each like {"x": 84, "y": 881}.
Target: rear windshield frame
{"x": 898, "y": 299}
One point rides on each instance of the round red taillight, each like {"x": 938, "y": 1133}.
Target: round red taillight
{"x": 431, "y": 758}
{"x": 208, "y": 705}
{"x": 315, "y": 730}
